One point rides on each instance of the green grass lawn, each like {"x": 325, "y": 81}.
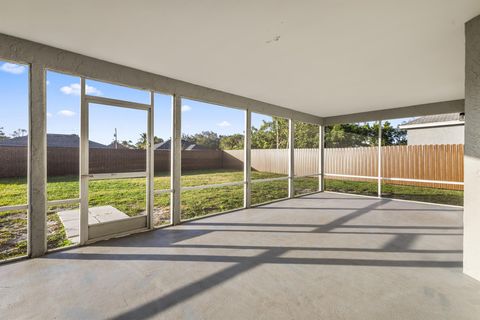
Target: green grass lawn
{"x": 424, "y": 194}
{"x": 128, "y": 195}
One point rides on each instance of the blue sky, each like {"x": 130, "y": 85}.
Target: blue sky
{"x": 63, "y": 109}
{"x": 13, "y": 97}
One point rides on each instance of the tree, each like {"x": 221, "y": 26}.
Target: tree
{"x": 392, "y": 136}
{"x": 347, "y": 135}
{"x": 207, "y": 139}
{"x": 306, "y": 135}
{"x": 274, "y": 135}
{"x": 128, "y": 144}
{"x": 271, "y": 134}
{"x": 232, "y": 142}
{"x": 19, "y": 133}
{"x": 3, "y": 136}
{"x": 363, "y": 135}
{"x": 142, "y": 141}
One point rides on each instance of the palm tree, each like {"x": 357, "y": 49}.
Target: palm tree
{"x": 142, "y": 142}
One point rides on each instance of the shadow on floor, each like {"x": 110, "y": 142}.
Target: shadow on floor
{"x": 173, "y": 238}
{"x": 382, "y": 209}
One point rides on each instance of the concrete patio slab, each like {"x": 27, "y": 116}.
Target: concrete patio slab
{"x": 322, "y": 256}
{"x": 71, "y": 219}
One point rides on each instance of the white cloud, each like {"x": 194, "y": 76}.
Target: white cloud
{"x": 66, "y": 113}
{"x": 186, "y": 108}
{"x": 13, "y": 68}
{"x": 92, "y": 91}
{"x": 74, "y": 89}
{"x": 224, "y": 124}
{"x": 49, "y": 115}
{"x": 48, "y": 82}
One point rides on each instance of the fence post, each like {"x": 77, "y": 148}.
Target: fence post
{"x": 247, "y": 160}
{"x": 291, "y": 158}
{"x": 321, "y": 164}
{"x": 379, "y": 180}
{"x": 176, "y": 160}
{"x": 37, "y": 164}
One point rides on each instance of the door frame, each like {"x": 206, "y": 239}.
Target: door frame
{"x": 91, "y": 233}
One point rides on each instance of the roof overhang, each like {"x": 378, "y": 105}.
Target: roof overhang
{"x": 432, "y": 125}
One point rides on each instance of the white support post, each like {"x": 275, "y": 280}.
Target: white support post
{"x": 379, "y": 179}
{"x": 291, "y": 158}
{"x": 176, "y": 160}
{"x": 150, "y": 161}
{"x": 321, "y": 164}
{"x": 247, "y": 160}
{"x": 471, "y": 216}
{"x": 37, "y": 164}
{"x": 84, "y": 170}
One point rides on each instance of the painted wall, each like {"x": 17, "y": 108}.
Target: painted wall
{"x": 436, "y": 135}
{"x": 471, "y": 215}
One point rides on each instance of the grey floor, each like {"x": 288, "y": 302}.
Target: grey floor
{"x": 324, "y": 256}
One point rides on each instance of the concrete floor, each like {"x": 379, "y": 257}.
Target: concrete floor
{"x": 323, "y": 256}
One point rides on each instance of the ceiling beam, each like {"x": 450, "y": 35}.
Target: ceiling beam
{"x": 398, "y": 113}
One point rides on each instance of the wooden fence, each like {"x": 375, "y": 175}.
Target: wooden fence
{"x": 276, "y": 160}
{"x": 425, "y": 162}
{"x": 65, "y": 161}
{"x": 352, "y": 161}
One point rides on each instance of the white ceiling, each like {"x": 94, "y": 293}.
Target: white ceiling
{"x": 325, "y": 57}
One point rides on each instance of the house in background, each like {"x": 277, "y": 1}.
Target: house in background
{"x": 117, "y": 145}
{"x": 166, "y": 145}
{"x": 53, "y": 140}
{"x": 73, "y": 141}
{"x": 436, "y": 129}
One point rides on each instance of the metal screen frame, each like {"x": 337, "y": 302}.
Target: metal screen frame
{"x": 90, "y": 233}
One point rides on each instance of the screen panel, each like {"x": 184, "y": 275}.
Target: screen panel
{"x": 14, "y": 115}
{"x": 212, "y": 154}
{"x": 264, "y": 192}
{"x": 197, "y": 203}
{"x": 306, "y": 155}
{"x": 269, "y": 146}
{"x": 163, "y": 107}
{"x": 351, "y": 158}
{"x": 422, "y": 158}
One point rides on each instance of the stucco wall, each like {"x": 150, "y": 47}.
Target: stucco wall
{"x": 471, "y": 215}
{"x": 437, "y": 135}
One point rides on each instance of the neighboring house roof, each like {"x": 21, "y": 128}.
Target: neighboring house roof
{"x": 195, "y": 147}
{"x": 166, "y": 145}
{"x": 437, "y": 120}
{"x": 53, "y": 140}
